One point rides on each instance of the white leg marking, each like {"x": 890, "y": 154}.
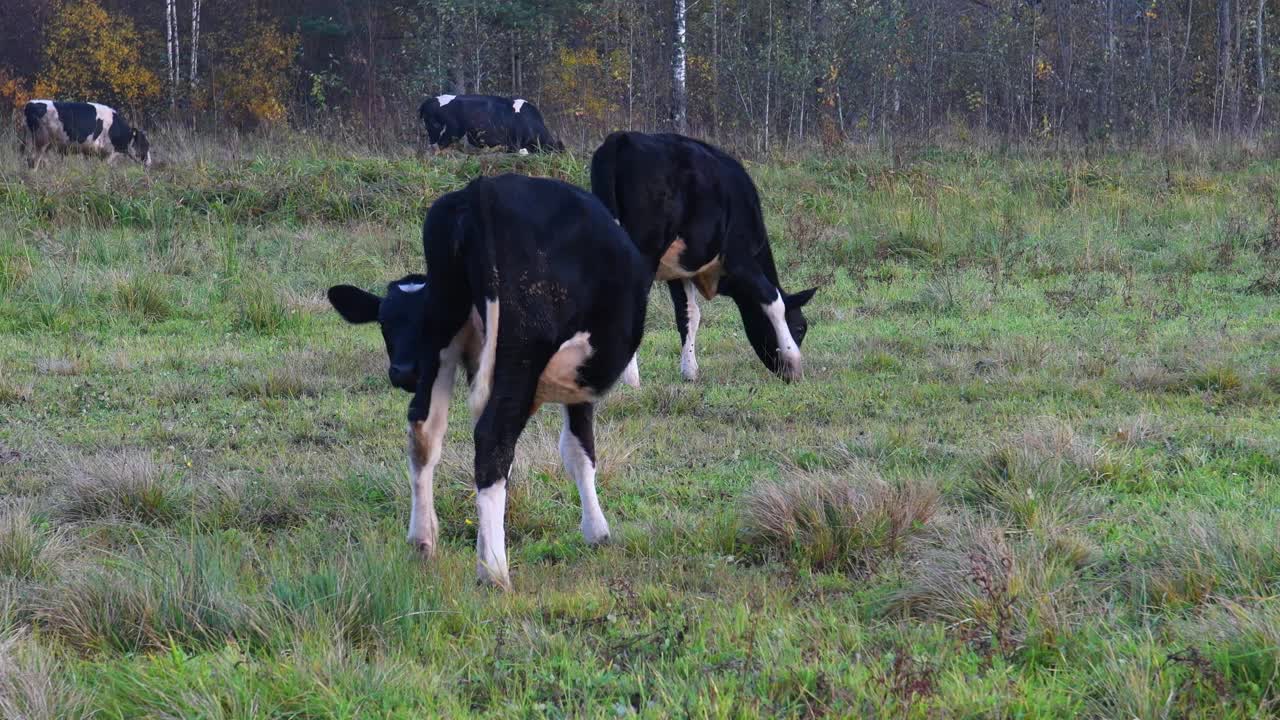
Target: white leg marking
{"x": 484, "y": 375}
{"x": 595, "y": 529}
{"x": 777, "y": 313}
{"x": 491, "y": 543}
{"x": 631, "y": 375}
{"x": 688, "y": 355}
{"x": 426, "y": 439}
{"x": 445, "y": 99}
{"x": 523, "y": 152}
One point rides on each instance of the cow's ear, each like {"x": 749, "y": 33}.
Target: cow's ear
{"x": 799, "y": 299}
{"x": 353, "y": 304}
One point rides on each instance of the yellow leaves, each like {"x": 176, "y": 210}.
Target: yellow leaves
{"x": 1044, "y": 69}
{"x": 580, "y": 80}
{"x": 92, "y": 55}
{"x": 252, "y": 80}
{"x": 13, "y": 91}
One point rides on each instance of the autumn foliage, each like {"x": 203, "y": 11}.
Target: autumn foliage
{"x": 252, "y": 81}
{"x": 93, "y": 55}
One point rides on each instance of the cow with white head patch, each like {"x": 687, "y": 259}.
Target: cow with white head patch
{"x": 485, "y": 121}
{"x": 515, "y": 294}
{"x": 88, "y": 128}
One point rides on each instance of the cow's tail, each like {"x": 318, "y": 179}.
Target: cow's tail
{"x": 604, "y": 173}
{"x": 482, "y": 203}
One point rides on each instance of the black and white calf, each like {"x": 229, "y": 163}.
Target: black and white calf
{"x": 89, "y": 128}
{"x": 534, "y": 289}
{"x": 487, "y": 121}
{"x": 695, "y": 214}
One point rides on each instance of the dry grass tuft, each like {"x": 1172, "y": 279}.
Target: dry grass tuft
{"x": 29, "y": 549}
{"x": 849, "y": 521}
{"x": 13, "y": 392}
{"x": 1196, "y": 557}
{"x": 135, "y": 604}
{"x": 1000, "y": 593}
{"x": 32, "y": 683}
{"x": 295, "y": 376}
{"x": 65, "y": 366}
{"x": 1139, "y": 430}
{"x": 286, "y": 381}
{"x": 1051, "y": 441}
{"x": 145, "y": 294}
{"x": 1034, "y": 479}
{"x": 1243, "y": 636}
{"x": 123, "y": 485}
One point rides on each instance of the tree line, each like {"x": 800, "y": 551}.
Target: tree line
{"x": 765, "y": 73}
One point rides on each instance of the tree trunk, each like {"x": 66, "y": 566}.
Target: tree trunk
{"x": 1225, "y": 54}
{"x": 174, "y": 53}
{"x": 768, "y": 79}
{"x": 195, "y": 42}
{"x": 679, "y": 100}
{"x": 1262, "y": 68}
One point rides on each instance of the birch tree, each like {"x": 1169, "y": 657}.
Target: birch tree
{"x": 679, "y": 98}
{"x": 171, "y": 35}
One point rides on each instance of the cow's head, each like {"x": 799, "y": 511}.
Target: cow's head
{"x": 400, "y": 316}
{"x": 432, "y": 119}
{"x": 764, "y": 325}
{"x": 139, "y": 148}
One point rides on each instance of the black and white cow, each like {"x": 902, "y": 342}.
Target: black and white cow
{"x": 89, "y": 128}
{"x": 695, "y": 214}
{"x": 487, "y": 121}
{"x": 536, "y": 291}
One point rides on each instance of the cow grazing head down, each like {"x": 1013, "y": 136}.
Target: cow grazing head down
{"x": 777, "y": 330}
{"x": 399, "y": 314}
{"x": 139, "y": 148}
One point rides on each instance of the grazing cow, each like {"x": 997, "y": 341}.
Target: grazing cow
{"x": 89, "y": 128}
{"x": 695, "y": 214}
{"x": 536, "y": 291}
{"x": 487, "y": 121}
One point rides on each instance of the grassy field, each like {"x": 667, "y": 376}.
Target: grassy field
{"x": 1033, "y": 469}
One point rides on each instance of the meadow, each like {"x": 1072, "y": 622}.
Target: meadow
{"x": 1031, "y": 471}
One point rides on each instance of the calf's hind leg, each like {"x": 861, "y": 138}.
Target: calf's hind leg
{"x": 577, "y": 450}
{"x": 684, "y": 300}
{"x": 497, "y": 429}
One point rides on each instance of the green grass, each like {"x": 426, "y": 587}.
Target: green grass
{"x": 1033, "y": 469}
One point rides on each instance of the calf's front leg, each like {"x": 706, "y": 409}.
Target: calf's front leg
{"x": 426, "y": 439}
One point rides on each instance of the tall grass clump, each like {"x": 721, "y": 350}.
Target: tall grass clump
{"x": 259, "y": 306}
{"x": 1037, "y": 478}
{"x": 30, "y": 549}
{"x": 153, "y": 598}
{"x": 848, "y": 521}
{"x": 120, "y": 485}
{"x": 34, "y": 685}
{"x": 146, "y": 295}
{"x": 1194, "y": 557}
{"x": 1242, "y": 639}
{"x": 1000, "y": 592}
